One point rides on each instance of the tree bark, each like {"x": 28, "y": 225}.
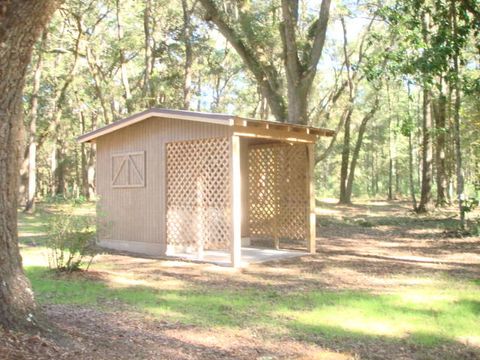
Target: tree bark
{"x": 392, "y": 152}
{"x": 356, "y": 151}
{"x": 427, "y": 154}
{"x": 267, "y": 77}
{"x": 97, "y": 82}
{"x": 187, "y": 40}
{"x": 21, "y": 23}
{"x": 148, "y": 60}
{"x": 425, "y": 194}
{"x": 456, "y": 119}
{"x": 410, "y": 170}
{"x": 345, "y": 159}
{"x": 344, "y": 198}
{"x": 300, "y": 74}
{"x": 123, "y": 60}
{"x": 440, "y": 137}
{"x": 32, "y": 143}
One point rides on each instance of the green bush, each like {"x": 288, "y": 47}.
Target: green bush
{"x": 71, "y": 241}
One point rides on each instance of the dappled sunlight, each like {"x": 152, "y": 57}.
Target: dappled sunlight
{"x": 325, "y": 211}
{"x": 164, "y": 312}
{"x": 346, "y": 320}
{"x": 127, "y": 281}
{"x": 443, "y": 316}
{"x": 378, "y": 203}
{"x": 367, "y": 286}
{"x": 36, "y": 256}
{"x": 432, "y": 300}
{"x": 122, "y": 279}
{"x": 470, "y": 340}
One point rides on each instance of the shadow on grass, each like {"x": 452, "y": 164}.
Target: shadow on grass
{"x": 322, "y": 317}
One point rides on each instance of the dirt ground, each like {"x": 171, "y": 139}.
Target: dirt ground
{"x": 373, "y": 248}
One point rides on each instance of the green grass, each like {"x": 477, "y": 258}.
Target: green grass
{"x": 33, "y": 227}
{"x": 443, "y": 311}
{"x": 432, "y": 311}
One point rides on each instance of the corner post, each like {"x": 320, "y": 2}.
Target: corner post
{"x": 236, "y": 202}
{"x": 311, "y": 215}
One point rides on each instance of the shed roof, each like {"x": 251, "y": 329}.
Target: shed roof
{"x": 211, "y": 118}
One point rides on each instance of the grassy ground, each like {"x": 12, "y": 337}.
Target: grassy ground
{"x": 385, "y": 284}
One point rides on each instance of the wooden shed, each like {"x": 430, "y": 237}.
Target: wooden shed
{"x": 174, "y": 182}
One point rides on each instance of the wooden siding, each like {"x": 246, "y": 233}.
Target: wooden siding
{"x": 136, "y": 215}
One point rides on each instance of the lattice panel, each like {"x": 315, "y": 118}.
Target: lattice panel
{"x": 198, "y": 194}
{"x": 278, "y": 197}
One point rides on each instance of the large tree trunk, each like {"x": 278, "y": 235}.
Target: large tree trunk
{"x": 299, "y": 75}
{"x": 21, "y": 23}
{"x": 299, "y": 72}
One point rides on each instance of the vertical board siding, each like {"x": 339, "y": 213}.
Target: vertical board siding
{"x": 138, "y": 214}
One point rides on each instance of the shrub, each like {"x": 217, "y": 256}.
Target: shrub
{"x": 71, "y": 240}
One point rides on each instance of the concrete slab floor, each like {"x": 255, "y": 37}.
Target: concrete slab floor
{"x": 250, "y": 255}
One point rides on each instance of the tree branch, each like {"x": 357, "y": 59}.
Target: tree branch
{"x": 319, "y": 40}
{"x": 269, "y": 85}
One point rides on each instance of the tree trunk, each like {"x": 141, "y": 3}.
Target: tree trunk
{"x": 440, "y": 135}
{"x": 83, "y": 154}
{"x": 187, "y": 39}
{"x": 300, "y": 74}
{"x": 425, "y": 195}
{"x": 21, "y": 23}
{"x": 199, "y": 91}
{"x": 123, "y": 60}
{"x": 91, "y": 172}
{"x": 410, "y": 170}
{"x": 456, "y": 119}
{"x": 148, "y": 61}
{"x": 345, "y": 159}
{"x": 32, "y": 143}
{"x": 90, "y": 165}
{"x": 344, "y": 198}
{"x": 353, "y": 164}
{"x": 393, "y": 187}
{"x": 60, "y": 170}
{"x": 97, "y": 82}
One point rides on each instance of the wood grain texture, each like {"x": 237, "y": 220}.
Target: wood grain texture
{"x": 138, "y": 214}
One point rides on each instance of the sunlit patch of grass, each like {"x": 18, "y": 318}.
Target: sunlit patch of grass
{"x": 33, "y": 227}
{"x": 35, "y": 256}
{"x": 424, "y": 315}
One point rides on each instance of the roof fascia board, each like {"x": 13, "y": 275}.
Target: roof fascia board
{"x": 145, "y": 115}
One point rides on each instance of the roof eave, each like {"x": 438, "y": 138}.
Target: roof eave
{"x": 218, "y": 119}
